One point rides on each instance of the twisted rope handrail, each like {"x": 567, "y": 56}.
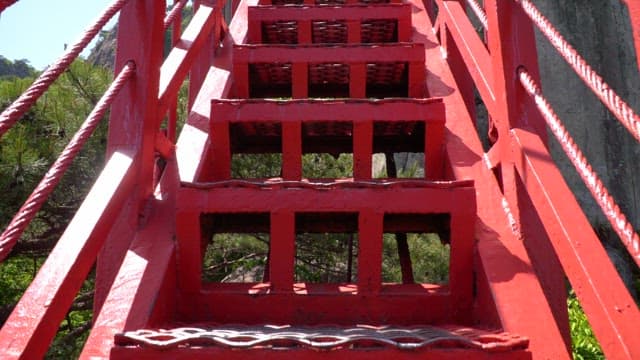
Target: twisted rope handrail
{"x": 51, "y": 179}
{"x": 15, "y": 111}
{"x": 600, "y": 88}
{"x": 612, "y": 211}
{"x": 171, "y": 16}
{"x": 477, "y": 9}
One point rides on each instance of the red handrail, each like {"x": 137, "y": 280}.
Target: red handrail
{"x": 6, "y": 3}
{"x": 41, "y": 193}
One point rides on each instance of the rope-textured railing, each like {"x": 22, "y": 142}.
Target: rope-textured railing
{"x": 612, "y": 211}
{"x": 175, "y": 10}
{"x": 15, "y": 111}
{"x": 51, "y": 179}
{"x": 480, "y": 14}
{"x": 600, "y": 88}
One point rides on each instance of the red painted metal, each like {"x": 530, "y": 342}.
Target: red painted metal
{"x": 615, "y": 324}
{"x": 371, "y": 133}
{"x": 12, "y": 114}
{"x": 328, "y": 338}
{"x": 634, "y": 17}
{"x": 134, "y": 124}
{"x": 45, "y": 303}
{"x": 599, "y": 192}
{"x": 358, "y": 60}
{"x": 304, "y": 24}
{"x": 509, "y": 252}
{"x": 39, "y": 196}
{"x": 508, "y": 292}
{"x": 6, "y": 3}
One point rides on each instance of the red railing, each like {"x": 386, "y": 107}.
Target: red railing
{"x": 135, "y": 141}
{"x": 505, "y": 64}
{"x": 6, "y": 3}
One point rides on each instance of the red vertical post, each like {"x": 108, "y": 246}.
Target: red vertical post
{"x": 292, "y": 150}
{"x": 358, "y": 80}
{"x": 220, "y": 148}
{"x": 416, "y": 79}
{"x": 404, "y": 29}
{"x": 370, "y": 228}
{"x": 134, "y": 121}
{"x": 362, "y": 149}
{"x": 354, "y": 31}
{"x": 254, "y": 33}
{"x": 241, "y": 79}
{"x": 462, "y": 248}
{"x": 434, "y": 150}
{"x": 173, "y": 108}
{"x": 282, "y": 252}
{"x": 304, "y": 32}
{"x": 300, "y": 80}
{"x": 202, "y": 64}
{"x": 511, "y": 43}
{"x": 189, "y": 258}
{"x": 634, "y": 17}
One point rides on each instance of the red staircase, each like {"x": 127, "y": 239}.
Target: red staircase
{"x": 294, "y": 78}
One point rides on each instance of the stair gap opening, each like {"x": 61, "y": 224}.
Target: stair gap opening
{"x": 416, "y": 249}
{"x": 327, "y": 148}
{"x": 326, "y": 248}
{"x": 379, "y": 30}
{"x": 328, "y": 80}
{"x": 256, "y": 150}
{"x": 270, "y": 80}
{"x": 235, "y": 247}
{"x": 387, "y": 79}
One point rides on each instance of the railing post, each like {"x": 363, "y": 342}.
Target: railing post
{"x": 133, "y": 124}
{"x": 512, "y": 44}
{"x": 203, "y": 61}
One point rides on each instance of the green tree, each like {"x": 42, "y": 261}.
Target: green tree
{"x": 26, "y": 153}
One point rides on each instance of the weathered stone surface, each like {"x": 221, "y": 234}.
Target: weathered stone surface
{"x": 600, "y": 30}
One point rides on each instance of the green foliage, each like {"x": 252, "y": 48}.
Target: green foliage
{"x": 322, "y": 165}
{"x": 235, "y": 257}
{"x": 26, "y": 153}
{"x": 429, "y": 259}
{"x": 585, "y": 345}
{"x": 15, "y": 69}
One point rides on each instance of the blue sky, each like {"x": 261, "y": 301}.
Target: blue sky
{"x": 37, "y": 30}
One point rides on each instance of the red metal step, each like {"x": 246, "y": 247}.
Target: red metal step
{"x": 330, "y": 342}
{"x": 356, "y": 23}
{"x": 339, "y": 70}
{"x": 361, "y": 127}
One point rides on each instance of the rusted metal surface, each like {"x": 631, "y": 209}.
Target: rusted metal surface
{"x": 12, "y": 114}
{"x": 326, "y": 338}
{"x": 40, "y": 194}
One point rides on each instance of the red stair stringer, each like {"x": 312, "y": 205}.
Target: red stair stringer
{"x": 506, "y": 276}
